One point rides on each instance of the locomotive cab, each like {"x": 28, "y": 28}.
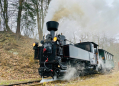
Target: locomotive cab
{"x": 88, "y": 46}
{"x": 92, "y": 48}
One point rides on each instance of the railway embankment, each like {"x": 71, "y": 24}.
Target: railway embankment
{"x": 16, "y": 58}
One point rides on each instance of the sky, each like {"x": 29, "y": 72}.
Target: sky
{"x": 80, "y": 17}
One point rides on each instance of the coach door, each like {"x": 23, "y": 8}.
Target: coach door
{"x": 96, "y": 54}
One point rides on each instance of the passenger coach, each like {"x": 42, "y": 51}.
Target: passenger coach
{"x": 107, "y": 59}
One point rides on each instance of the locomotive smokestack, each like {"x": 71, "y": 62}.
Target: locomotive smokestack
{"x": 52, "y": 26}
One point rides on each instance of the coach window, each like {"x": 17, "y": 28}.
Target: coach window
{"x": 92, "y": 48}
{"x": 111, "y": 57}
{"x": 106, "y": 56}
{"x": 87, "y": 47}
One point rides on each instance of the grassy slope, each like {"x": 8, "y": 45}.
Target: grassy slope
{"x": 16, "y": 58}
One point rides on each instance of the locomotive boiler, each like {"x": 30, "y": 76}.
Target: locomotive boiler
{"x": 55, "y": 56}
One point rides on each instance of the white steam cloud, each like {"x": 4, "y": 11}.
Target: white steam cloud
{"x": 84, "y": 16}
{"x": 70, "y": 74}
{"x": 107, "y": 65}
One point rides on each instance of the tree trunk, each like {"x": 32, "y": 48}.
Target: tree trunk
{"x": 5, "y": 15}
{"x": 49, "y": 2}
{"x": 39, "y": 26}
{"x": 42, "y": 14}
{"x": 18, "y": 33}
{"x": 0, "y": 22}
{"x": 40, "y": 32}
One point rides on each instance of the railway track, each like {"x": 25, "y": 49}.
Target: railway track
{"x": 46, "y": 81}
{"x": 24, "y": 83}
{"x": 33, "y": 83}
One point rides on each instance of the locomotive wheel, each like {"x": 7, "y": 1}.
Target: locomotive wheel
{"x": 80, "y": 69}
{"x": 56, "y": 75}
{"x": 81, "y": 73}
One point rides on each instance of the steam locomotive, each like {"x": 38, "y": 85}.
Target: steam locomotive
{"x": 55, "y": 56}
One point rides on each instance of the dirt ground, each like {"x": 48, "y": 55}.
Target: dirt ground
{"x": 110, "y": 79}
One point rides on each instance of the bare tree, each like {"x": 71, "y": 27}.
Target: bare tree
{"x": 18, "y": 33}
{"x": 41, "y": 7}
{"x": 36, "y": 5}
{"x": 4, "y": 12}
{"x": 0, "y": 21}
{"x": 84, "y": 37}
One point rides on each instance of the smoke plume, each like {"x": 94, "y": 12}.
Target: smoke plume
{"x": 84, "y": 16}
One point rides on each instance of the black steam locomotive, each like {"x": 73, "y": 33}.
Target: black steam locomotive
{"x": 55, "y": 56}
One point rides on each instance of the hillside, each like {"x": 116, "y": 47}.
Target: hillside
{"x": 16, "y": 58}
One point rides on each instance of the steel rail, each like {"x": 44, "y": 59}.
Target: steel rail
{"x": 38, "y": 83}
{"x": 22, "y": 83}
{"x": 30, "y": 83}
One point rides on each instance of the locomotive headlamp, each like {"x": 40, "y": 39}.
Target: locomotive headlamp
{"x": 55, "y": 39}
{"x": 34, "y": 44}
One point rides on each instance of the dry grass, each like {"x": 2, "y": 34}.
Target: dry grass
{"x": 102, "y": 80}
{"x": 111, "y": 79}
{"x": 16, "y": 58}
